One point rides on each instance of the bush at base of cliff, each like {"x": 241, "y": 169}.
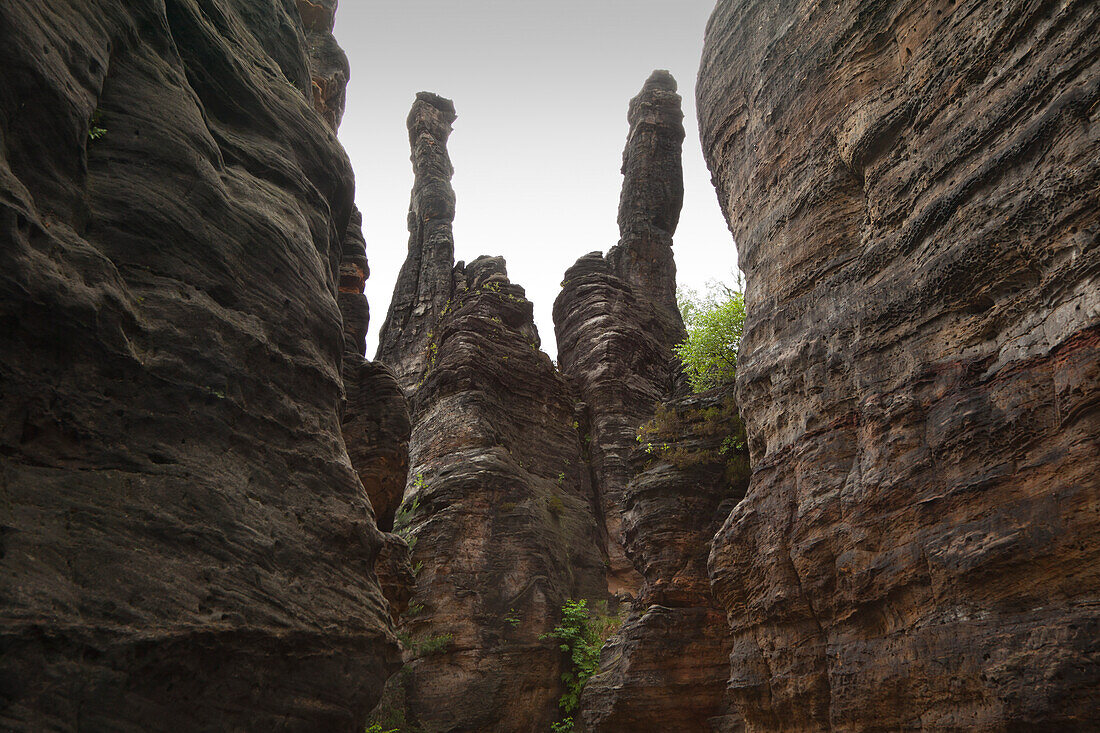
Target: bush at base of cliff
{"x": 714, "y": 324}
{"x": 581, "y": 634}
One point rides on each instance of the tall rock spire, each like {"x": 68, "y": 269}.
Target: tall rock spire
{"x": 653, "y": 177}
{"x": 651, "y": 199}
{"x": 424, "y": 284}
{"x": 616, "y": 318}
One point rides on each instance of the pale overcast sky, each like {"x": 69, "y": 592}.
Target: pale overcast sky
{"x": 541, "y": 90}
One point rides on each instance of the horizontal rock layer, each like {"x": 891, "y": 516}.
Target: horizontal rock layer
{"x": 913, "y": 191}
{"x": 184, "y": 542}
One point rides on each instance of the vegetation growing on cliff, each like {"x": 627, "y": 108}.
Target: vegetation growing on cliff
{"x": 698, "y": 436}
{"x": 581, "y": 634}
{"x": 714, "y": 324}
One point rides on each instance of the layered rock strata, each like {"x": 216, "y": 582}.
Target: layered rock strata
{"x": 498, "y": 505}
{"x": 183, "y": 541}
{"x": 913, "y": 191}
{"x": 661, "y": 500}
{"x": 424, "y": 283}
{"x": 375, "y": 421}
{"x": 667, "y": 668}
{"x": 616, "y": 318}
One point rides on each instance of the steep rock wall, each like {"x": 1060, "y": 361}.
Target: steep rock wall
{"x": 184, "y": 543}
{"x": 667, "y": 667}
{"x": 913, "y": 191}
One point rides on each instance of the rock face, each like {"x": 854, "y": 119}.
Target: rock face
{"x": 913, "y": 191}
{"x": 616, "y": 318}
{"x": 328, "y": 64}
{"x": 498, "y": 506}
{"x": 375, "y": 422}
{"x": 184, "y": 544}
{"x": 424, "y": 283}
{"x": 668, "y": 666}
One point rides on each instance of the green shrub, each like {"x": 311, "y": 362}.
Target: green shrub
{"x": 403, "y": 517}
{"x": 95, "y": 128}
{"x": 697, "y": 437}
{"x": 581, "y": 634}
{"x": 426, "y": 646}
{"x": 714, "y": 325}
{"x": 512, "y": 618}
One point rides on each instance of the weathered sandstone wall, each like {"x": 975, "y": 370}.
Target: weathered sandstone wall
{"x": 913, "y": 187}
{"x": 184, "y": 544}
{"x": 498, "y": 506}
{"x": 616, "y": 318}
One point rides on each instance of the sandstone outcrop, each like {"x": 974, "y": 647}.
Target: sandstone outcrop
{"x": 667, "y": 668}
{"x": 913, "y": 191}
{"x": 498, "y": 508}
{"x": 184, "y": 544}
{"x": 328, "y": 65}
{"x": 424, "y": 283}
{"x": 616, "y": 318}
{"x": 375, "y": 422}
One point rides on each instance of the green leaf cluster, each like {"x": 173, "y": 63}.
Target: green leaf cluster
{"x": 95, "y": 129}
{"x": 714, "y": 324}
{"x": 581, "y": 634}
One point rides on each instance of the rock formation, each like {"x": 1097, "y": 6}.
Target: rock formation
{"x": 661, "y": 500}
{"x": 375, "y": 421}
{"x": 616, "y": 318}
{"x": 913, "y": 191}
{"x": 329, "y": 71}
{"x": 668, "y": 666}
{"x": 424, "y": 283}
{"x": 184, "y": 543}
{"x": 498, "y": 507}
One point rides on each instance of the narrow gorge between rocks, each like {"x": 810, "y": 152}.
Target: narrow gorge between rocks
{"x": 218, "y": 514}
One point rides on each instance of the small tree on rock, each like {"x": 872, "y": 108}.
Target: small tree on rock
{"x": 714, "y": 324}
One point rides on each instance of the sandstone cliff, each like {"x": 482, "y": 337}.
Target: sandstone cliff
{"x": 616, "y": 318}
{"x": 498, "y": 507}
{"x": 913, "y": 191}
{"x": 663, "y": 498}
{"x": 184, "y": 543}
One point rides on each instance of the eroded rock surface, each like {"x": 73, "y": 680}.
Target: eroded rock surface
{"x": 375, "y": 421}
{"x": 913, "y": 191}
{"x": 616, "y": 318}
{"x": 184, "y": 543}
{"x": 667, "y": 668}
{"x": 498, "y": 507}
{"x": 424, "y": 283}
{"x": 329, "y": 70}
